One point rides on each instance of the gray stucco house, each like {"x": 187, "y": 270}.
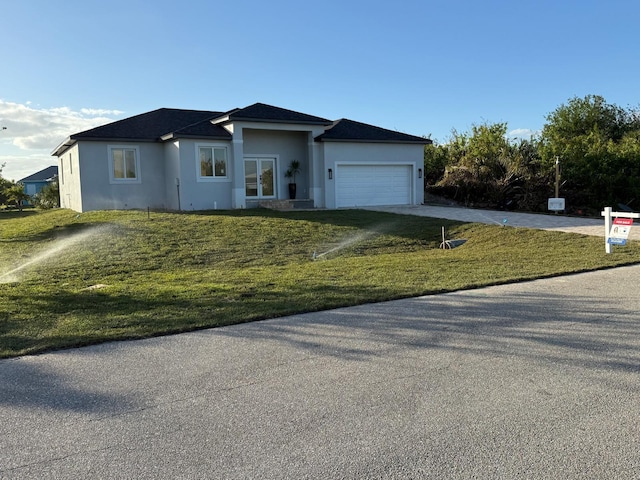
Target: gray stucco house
{"x": 197, "y": 160}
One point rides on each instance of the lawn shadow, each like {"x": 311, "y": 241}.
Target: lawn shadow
{"x": 407, "y": 226}
{"x": 13, "y": 214}
{"x": 61, "y": 232}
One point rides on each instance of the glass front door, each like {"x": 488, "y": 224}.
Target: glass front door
{"x": 260, "y": 177}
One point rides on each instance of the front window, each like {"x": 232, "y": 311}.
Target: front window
{"x": 125, "y": 164}
{"x": 212, "y": 162}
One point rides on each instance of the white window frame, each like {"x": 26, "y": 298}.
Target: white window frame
{"x": 112, "y": 177}
{"x": 214, "y": 177}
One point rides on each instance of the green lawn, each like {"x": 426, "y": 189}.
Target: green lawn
{"x": 103, "y": 276}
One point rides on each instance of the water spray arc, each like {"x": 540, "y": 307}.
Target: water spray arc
{"x": 347, "y": 243}
{"x": 57, "y": 247}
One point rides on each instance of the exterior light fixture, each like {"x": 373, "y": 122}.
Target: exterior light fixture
{"x": 419, "y": 173}
{"x": 330, "y": 174}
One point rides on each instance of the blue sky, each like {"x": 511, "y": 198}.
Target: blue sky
{"x": 420, "y": 67}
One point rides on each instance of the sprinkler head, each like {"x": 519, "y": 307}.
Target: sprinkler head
{"x": 314, "y": 256}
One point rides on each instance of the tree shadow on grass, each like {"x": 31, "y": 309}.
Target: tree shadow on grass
{"x": 11, "y": 214}
{"x": 101, "y": 318}
{"x": 69, "y": 230}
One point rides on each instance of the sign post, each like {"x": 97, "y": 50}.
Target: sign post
{"x": 617, "y": 226}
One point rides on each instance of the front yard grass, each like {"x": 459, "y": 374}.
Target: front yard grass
{"x": 103, "y": 276}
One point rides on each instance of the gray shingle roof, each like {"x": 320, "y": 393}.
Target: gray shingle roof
{"x": 43, "y": 175}
{"x": 166, "y": 123}
{"x": 346, "y": 130}
{"x": 203, "y": 129}
{"x": 148, "y": 126}
{"x": 261, "y": 112}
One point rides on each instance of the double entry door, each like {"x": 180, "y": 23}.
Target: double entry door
{"x": 260, "y": 177}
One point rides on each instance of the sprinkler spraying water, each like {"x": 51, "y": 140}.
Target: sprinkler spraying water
{"x": 359, "y": 237}
{"x": 57, "y": 247}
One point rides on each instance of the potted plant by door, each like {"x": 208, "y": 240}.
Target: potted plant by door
{"x": 292, "y": 171}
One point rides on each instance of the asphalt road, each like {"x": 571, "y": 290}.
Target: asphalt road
{"x": 532, "y": 380}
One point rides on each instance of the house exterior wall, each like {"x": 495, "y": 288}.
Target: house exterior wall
{"x": 33, "y": 188}
{"x": 99, "y": 193}
{"x": 197, "y": 193}
{"x": 70, "y": 178}
{"x": 355, "y": 153}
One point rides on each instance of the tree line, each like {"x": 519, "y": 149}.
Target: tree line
{"x": 596, "y": 144}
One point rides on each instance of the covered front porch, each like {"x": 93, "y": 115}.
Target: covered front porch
{"x": 263, "y": 153}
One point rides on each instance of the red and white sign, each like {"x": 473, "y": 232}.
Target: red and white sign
{"x": 623, "y": 221}
{"x": 620, "y": 229}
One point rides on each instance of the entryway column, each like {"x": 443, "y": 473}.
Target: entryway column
{"x": 316, "y": 168}
{"x": 237, "y": 186}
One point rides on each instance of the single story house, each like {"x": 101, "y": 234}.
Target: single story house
{"x": 34, "y": 184}
{"x": 197, "y": 160}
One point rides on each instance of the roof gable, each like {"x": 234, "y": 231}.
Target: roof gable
{"x": 203, "y": 129}
{"x": 261, "y": 112}
{"x": 345, "y": 130}
{"x": 44, "y": 175}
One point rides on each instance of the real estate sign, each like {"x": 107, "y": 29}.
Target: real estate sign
{"x": 620, "y": 231}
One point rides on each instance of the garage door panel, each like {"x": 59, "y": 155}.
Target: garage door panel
{"x": 368, "y": 185}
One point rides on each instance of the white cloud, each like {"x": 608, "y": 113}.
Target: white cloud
{"x": 31, "y": 128}
{"x": 18, "y": 167}
{"x": 100, "y": 111}
{"x": 525, "y": 133}
{"x": 32, "y": 133}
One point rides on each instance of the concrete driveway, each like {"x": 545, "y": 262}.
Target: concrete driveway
{"x": 532, "y": 380}
{"x": 561, "y": 223}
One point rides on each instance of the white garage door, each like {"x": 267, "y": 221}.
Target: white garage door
{"x": 365, "y": 185}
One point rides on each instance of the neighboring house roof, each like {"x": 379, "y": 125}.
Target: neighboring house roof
{"x": 260, "y": 112}
{"x": 345, "y": 130}
{"x": 45, "y": 175}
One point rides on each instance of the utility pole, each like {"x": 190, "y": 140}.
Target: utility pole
{"x": 557, "y": 177}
